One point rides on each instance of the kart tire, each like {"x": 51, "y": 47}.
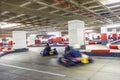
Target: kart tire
{"x": 65, "y": 64}
{"x": 41, "y": 53}
{"x": 91, "y": 60}
{"x": 59, "y": 60}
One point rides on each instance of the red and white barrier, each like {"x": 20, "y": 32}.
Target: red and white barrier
{"x": 102, "y": 52}
{"x": 66, "y": 43}
{"x": 98, "y": 51}
{"x": 5, "y": 49}
{"x": 1, "y": 49}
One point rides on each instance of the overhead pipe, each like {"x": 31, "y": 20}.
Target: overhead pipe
{"x": 25, "y": 23}
{"x": 67, "y": 5}
{"x": 75, "y": 8}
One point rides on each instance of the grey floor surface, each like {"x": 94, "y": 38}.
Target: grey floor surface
{"x": 31, "y": 66}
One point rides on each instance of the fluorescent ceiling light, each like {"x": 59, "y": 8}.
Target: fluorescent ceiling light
{"x": 8, "y": 25}
{"x": 109, "y": 1}
{"x": 113, "y": 26}
{"x": 90, "y": 27}
{"x": 89, "y": 30}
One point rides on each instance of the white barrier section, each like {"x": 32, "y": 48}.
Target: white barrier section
{"x": 19, "y": 37}
{"x": 56, "y": 33}
{"x": 76, "y": 33}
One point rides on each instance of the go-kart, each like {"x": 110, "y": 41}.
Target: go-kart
{"x": 49, "y": 53}
{"x": 84, "y": 59}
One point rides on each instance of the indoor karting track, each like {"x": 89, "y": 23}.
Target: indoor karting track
{"x": 32, "y": 66}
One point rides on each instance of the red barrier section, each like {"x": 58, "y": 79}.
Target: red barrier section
{"x": 113, "y": 46}
{"x": 59, "y": 39}
{"x": 114, "y": 35}
{"x": 1, "y": 43}
{"x": 9, "y": 48}
{"x": 90, "y": 43}
{"x": 103, "y": 36}
{"x": 37, "y": 41}
{"x": 10, "y": 42}
{"x": 0, "y": 49}
{"x": 106, "y": 51}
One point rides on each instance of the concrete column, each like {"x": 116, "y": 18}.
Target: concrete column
{"x": 32, "y": 39}
{"x": 19, "y": 37}
{"x": 104, "y": 35}
{"x": 76, "y": 33}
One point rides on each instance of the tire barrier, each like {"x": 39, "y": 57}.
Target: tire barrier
{"x": 21, "y": 50}
{"x": 2, "y": 53}
{"x": 102, "y": 52}
{"x": 5, "y": 51}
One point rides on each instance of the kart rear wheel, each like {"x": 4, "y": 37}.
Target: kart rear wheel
{"x": 68, "y": 64}
{"x": 91, "y": 60}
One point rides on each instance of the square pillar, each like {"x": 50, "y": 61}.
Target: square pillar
{"x": 32, "y": 39}
{"x": 19, "y": 37}
{"x": 76, "y": 33}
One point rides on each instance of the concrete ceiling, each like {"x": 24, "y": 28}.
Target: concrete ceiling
{"x": 35, "y": 16}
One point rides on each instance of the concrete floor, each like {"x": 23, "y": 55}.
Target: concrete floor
{"x": 31, "y": 66}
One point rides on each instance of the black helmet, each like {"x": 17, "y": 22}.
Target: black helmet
{"x": 68, "y": 48}
{"x": 47, "y": 44}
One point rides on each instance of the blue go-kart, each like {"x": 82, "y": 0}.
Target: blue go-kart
{"x": 52, "y": 52}
{"x": 73, "y": 57}
{"x": 72, "y": 61}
